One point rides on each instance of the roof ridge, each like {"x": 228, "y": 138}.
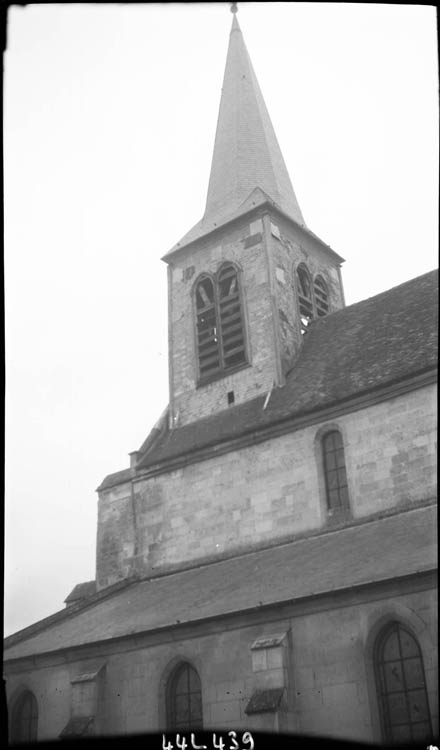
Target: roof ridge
{"x": 379, "y": 294}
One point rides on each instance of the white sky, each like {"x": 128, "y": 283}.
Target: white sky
{"x": 110, "y": 114}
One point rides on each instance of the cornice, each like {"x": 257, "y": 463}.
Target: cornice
{"x": 259, "y": 209}
{"x": 262, "y": 613}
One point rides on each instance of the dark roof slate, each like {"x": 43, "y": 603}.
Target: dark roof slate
{"x": 362, "y": 347}
{"x": 398, "y": 545}
{"x": 77, "y": 726}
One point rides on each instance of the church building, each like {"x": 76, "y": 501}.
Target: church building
{"x": 267, "y": 561}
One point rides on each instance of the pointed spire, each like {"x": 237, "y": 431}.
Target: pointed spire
{"x": 246, "y": 151}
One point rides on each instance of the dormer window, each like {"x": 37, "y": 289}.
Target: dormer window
{"x": 221, "y": 345}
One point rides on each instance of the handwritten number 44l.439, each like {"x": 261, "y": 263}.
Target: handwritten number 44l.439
{"x": 247, "y": 742}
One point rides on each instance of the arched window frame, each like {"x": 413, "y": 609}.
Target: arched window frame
{"x": 409, "y": 690}
{"x": 24, "y": 728}
{"x": 317, "y": 303}
{"x": 305, "y": 302}
{"x": 218, "y": 356}
{"x": 172, "y": 721}
{"x": 374, "y": 621}
{"x": 333, "y": 467}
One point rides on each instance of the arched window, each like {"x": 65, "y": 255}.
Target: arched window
{"x": 184, "y": 699}
{"x": 321, "y": 296}
{"x": 25, "y": 718}
{"x": 220, "y": 327}
{"x": 401, "y": 687}
{"x": 334, "y": 471}
{"x": 305, "y": 296}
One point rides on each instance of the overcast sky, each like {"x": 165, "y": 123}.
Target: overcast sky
{"x": 110, "y": 115}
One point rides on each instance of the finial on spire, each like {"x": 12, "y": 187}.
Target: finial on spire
{"x": 234, "y": 8}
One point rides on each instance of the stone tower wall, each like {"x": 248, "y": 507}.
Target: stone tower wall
{"x": 271, "y": 315}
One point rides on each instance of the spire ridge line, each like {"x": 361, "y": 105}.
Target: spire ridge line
{"x": 246, "y": 150}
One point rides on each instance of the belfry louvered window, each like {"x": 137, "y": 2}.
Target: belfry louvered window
{"x": 321, "y": 296}
{"x": 305, "y": 296}
{"x": 207, "y": 329}
{"x": 313, "y": 298}
{"x": 221, "y": 345}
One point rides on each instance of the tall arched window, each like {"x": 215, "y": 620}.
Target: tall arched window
{"x": 184, "y": 699}
{"x": 305, "y": 296}
{"x": 220, "y": 327}
{"x": 401, "y": 687}
{"x": 25, "y": 718}
{"x": 321, "y": 296}
{"x": 334, "y": 471}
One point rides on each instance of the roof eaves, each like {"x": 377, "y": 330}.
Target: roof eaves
{"x": 358, "y": 526}
{"x": 67, "y": 612}
{"x": 260, "y": 607}
{"x": 239, "y": 214}
{"x": 288, "y": 422}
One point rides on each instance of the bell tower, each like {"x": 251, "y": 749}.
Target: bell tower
{"x": 246, "y": 280}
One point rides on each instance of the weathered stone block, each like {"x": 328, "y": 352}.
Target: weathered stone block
{"x": 224, "y": 712}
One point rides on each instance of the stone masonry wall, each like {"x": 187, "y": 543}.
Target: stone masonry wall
{"x": 330, "y": 686}
{"x": 287, "y": 249}
{"x": 246, "y": 498}
{"x": 115, "y": 541}
{"x": 268, "y": 311}
{"x": 190, "y": 402}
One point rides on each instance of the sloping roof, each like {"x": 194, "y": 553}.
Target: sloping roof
{"x": 360, "y": 348}
{"x": 256, "y": 199}
{"x": 264, "y": 701}
{"x": 77, "y": 726}
{"x": 398, "y": 545}
{"x": 246, "y": 151}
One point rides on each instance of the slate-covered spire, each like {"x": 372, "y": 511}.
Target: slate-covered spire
{"x": 247, "y": 165}
{"x": 246, "y": 151}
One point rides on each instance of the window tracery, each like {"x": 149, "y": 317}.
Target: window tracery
{"x": 184, "y": 699}
{"x": 25, "y": 718}
{"x": 401, "y": 686}
{"x": 313, "y": 298}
